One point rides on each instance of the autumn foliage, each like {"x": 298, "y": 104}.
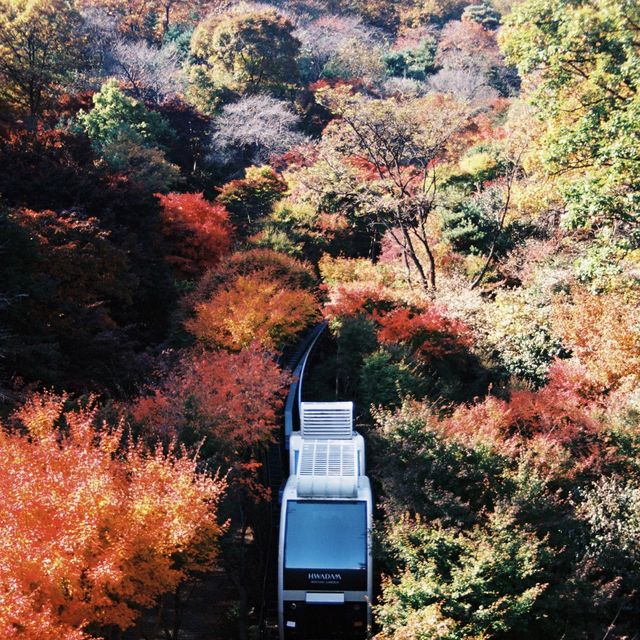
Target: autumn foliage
{"x": 608, "y": 345}
{"x": 253, "y": 308}
{"x": 237, "y": 396}
{"x": 424, "y": 329}
{"x": 287, "y": 270}
{"x": 231, "y": 400}
{"x": 81, "y": 258}
{"x": 453, "y": 185}
{"x": 428, "y": 332}
{"x": 556, "y": 426}
{"x": 95, "y": 526}
{"x": 198, "y": 231}
{"x": 351, "y": 299}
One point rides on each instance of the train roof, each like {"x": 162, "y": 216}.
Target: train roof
{"x": 327, "y": 456}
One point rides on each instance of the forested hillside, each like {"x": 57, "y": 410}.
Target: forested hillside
{"x": 187, "y": 186}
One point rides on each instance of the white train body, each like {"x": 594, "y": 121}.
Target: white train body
{"x": 324, "y": 563}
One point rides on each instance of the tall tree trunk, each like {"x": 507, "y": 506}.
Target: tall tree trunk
{"x": 424, "y": 281}
{"x": 424, "y": 241}
{"x": 407, "y": 267}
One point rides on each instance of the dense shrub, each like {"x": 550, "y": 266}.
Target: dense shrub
{"x": 290, "y": 272}
{"x": 608, "y": 345}
{"x": 483, "y": 583}
{"x": 68, "y": 291}
{"x": 249, "y": 199}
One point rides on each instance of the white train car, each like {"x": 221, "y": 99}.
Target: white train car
{"x": 324, "y": 562}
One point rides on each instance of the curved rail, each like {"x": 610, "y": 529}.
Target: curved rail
{"x": 294, "y": 397}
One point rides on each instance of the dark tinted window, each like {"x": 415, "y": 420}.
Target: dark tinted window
{"x": 326, "y": 535}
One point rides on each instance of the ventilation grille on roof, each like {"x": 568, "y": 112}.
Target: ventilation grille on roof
{"x": 326, "y": 420}
{"x": 326, "y": 458}
{"x": 328, "y": 469}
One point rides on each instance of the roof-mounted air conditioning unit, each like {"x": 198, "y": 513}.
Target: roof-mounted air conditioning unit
{"x": 326, "y": 420}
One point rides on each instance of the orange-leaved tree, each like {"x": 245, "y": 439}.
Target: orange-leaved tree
{"x": 279, "y": 266}
{"x": 231, "y": 399}
{"x": 253, "y": 308}
{"x": 95, "y": 527}
{"x": 608, "y": 343}
{"x": 199, "y": 231}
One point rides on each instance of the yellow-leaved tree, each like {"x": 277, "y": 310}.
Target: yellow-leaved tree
{"x": 39, "y": 47}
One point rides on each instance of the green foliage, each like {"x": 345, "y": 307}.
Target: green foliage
{"x": 471, "y": 225}
{"x": 297, "y": 228}
{"x": 601, "y": 262}
{"x": 130, "y": 138}
{"x": 250, "y": 199}
{"x": 289, "y": 214}
{"x": 483, "y": 583}
{"x": 247, "y": 52}
{"x": 494, "y": 547}
{"x": 205, "y": 92}
{"x": 523, "y": 339}
{"x": 412, "y": 63}
{"x": 480, "y": 165}
{"x": 147, "y": 167}
{"x": 422, "y": 472}
{"x": 290, "y": 228}
{"x": 482, "y": 13}
{"x": 384, "y": 382}
{"x": 179, "y": 35}
{"x": 596, "y": 199}
{"x": 116, "y": 117}
{"x": 528, "y": 354}
{"x": 612, "y": 511}
{"x": 585, "y": 57}
{"x": 277, "y": 240}
{"x": 355, "y": 338}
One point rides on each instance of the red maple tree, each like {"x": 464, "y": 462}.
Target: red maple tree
{"x": 199, "y": 231}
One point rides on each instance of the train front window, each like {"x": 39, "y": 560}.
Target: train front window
{"x": 326, "y": 535}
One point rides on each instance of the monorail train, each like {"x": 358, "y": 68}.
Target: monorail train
{"x": 324, "y": 563}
